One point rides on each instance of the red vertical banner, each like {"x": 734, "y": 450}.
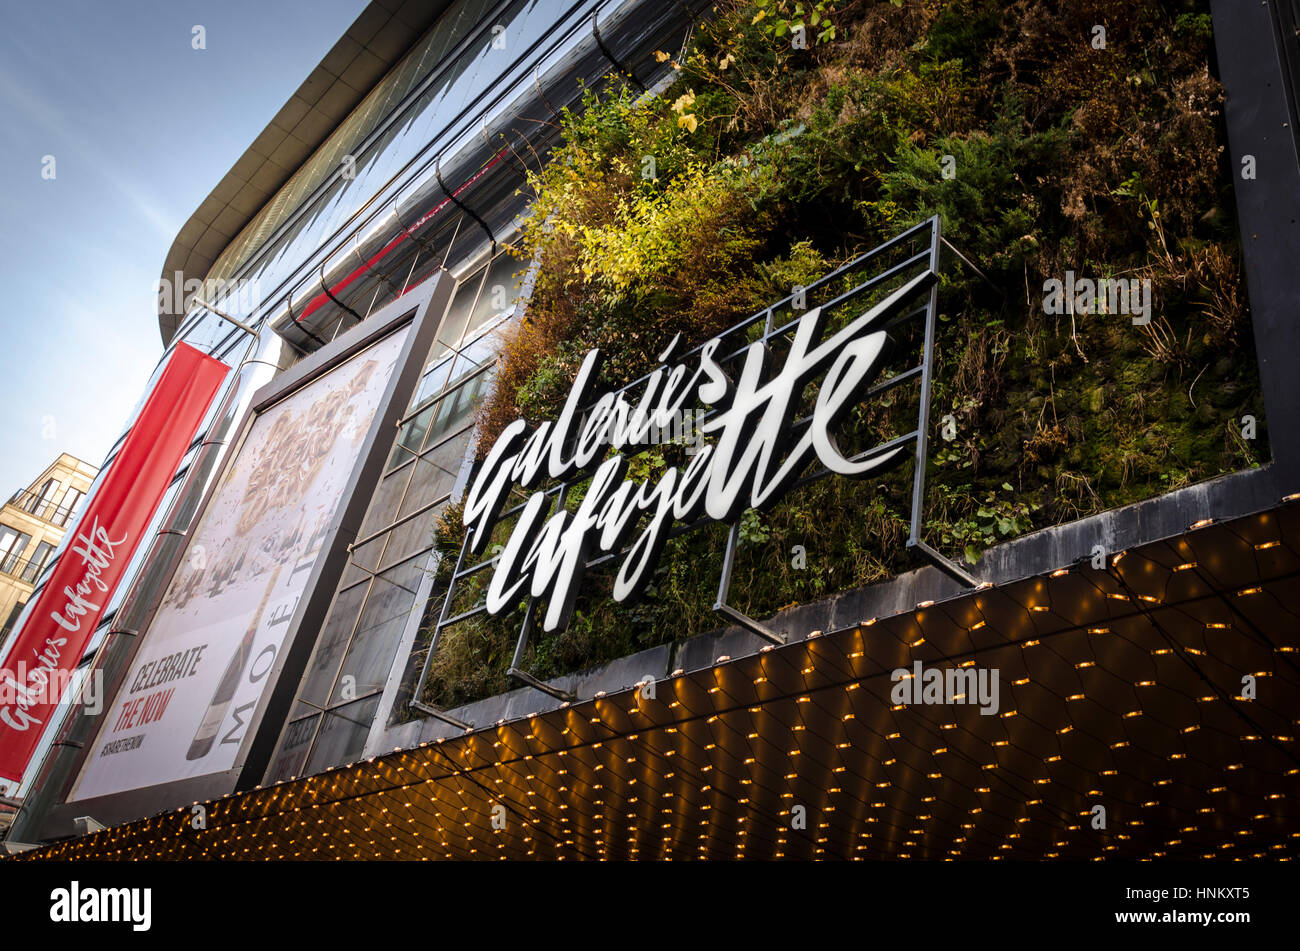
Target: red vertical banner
{"x": 60, "y": 624}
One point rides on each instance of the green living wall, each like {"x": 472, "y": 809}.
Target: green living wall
{"x": 1051, "y": 136}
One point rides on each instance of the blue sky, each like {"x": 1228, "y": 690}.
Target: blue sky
{"x": 142, "y": 127}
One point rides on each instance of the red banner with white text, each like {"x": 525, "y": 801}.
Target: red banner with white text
{"x": 59, "y": 625}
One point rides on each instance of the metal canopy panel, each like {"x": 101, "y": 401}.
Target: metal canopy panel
{"x": 1118, "y": 688}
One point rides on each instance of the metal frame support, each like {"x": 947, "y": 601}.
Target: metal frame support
{"x": 528, "y": 680}
{"x": 945, "y": 564}
{"x": 516, "y": 672}
{"x": 224, "y": 316}
{"x": 721, "y": 607}
{"x": 324, "y": 286}
{"x": 467, "y": 726}
{"x": 415, "y": 702}
{"x": 85, "y": 825}
{"x": 914, "y": 540}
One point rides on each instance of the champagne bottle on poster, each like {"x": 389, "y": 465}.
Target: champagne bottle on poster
{"x": 225, "y": 692}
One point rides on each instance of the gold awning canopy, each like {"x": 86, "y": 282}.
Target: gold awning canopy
{"x": 1121, "y": 688}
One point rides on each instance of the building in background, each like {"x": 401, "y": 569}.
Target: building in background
{"x": 276, "y": 628}
{"x": 32, "y": 526}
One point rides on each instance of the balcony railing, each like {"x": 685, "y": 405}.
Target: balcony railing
{"x": 44, "y": 509}
{"x": 24, "y": 569}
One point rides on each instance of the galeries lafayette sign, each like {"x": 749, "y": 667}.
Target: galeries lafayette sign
{"x": 754, "y": 453}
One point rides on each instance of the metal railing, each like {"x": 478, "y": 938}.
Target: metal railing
{"x": 24, "y": 569}
{"x": 44, "y": 509}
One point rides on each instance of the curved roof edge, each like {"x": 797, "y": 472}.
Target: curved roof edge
{"x": 370, "y": 47}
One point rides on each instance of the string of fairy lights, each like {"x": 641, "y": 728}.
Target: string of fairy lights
{"x": 1116, "y": 687}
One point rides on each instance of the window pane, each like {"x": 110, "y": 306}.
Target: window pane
{"x": 334, "y": 637}
{"x": 36, "y": 503}
{"x": 410, "y": 438}
{"x": 499, "y": 290}
{"x": 413, "y": 535}
{"x": 68, "y": 505}
{"x": 383, "y": 507}
{"x": 453, "y": 325}
{"x": 293, "y": 751}
{"x": 433, "y": 381}
{"x": 379, "y": 629}
{"x": 34, "y": 565}
{"x": 342, "y": 735}
{"x": 12, "y": 548}
{"x": 435, "y": 474}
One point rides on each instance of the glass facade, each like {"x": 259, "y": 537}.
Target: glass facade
{"x": 325, "y": 190}
{"x": 375, "y": 170}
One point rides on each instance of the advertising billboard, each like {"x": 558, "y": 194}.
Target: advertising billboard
{"x": 50, "y": 644}
{"x": 207, "y": 659}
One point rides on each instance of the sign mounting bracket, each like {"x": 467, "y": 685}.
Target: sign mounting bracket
{"x": 724, "y": 587}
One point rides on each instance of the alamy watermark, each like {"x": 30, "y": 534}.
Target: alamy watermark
{"x": 27, "y": 688}
{"x": 81, "y": 903}
{"x": 952, "y": 685}
{"x": 237, "y": 297}
{"x": 641, "y": 429}
{"x": 1106, "y": 295}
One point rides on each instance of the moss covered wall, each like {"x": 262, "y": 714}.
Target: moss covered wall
{"x": 1045, "y": 146}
